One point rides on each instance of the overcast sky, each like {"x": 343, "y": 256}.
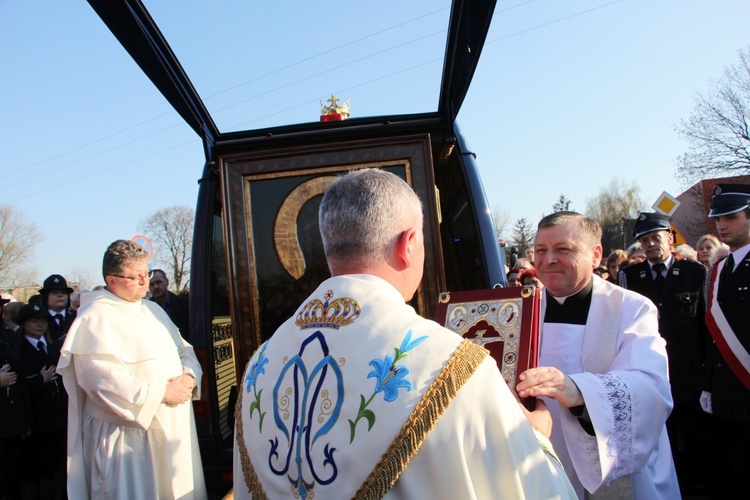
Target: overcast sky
{"x": 568, "y": 95}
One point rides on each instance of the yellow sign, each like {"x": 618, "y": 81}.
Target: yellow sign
{"x": 666, "y": 204}
{"x": 679, "y": 239}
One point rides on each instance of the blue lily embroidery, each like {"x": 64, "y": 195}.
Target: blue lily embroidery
{"x": 256, "y": 369}
{"x": 389, "y": 378}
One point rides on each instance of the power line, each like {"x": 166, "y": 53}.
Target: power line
{"x": 307, "y": 102}
{"x": 272, "y": 72}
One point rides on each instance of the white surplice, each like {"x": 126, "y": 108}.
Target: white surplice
{"x": 619, "y": 362}
{"x": 123, "y": 441}
{"x": 481, "y": 447}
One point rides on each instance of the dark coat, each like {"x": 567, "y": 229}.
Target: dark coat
{"x": 179, "y": 313}
{"x": 730, "y": 397}
{"x": 14, "y": 400}
{"x": 58, "y": 332}
{"x": 49, "y": 401}
{"x": 682, "y": 324}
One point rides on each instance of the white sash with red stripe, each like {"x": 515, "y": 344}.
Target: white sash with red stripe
{"x": 730, "y": 347}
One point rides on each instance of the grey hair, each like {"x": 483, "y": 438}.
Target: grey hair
{"x": 589, "y": 229}
{"x": 363, "y": 212}
{"x": 119, "y": 254}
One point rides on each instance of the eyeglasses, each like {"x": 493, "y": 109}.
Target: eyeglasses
{"x": 138, "y": 279}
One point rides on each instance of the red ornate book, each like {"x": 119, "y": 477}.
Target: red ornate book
{"x": 505, "y": 321}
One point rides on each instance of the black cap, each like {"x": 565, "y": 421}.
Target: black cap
{"x": 729, "y": 199}
{"x": 55, "y": 282}
{"x": 31, "y": 311}
{"x": 650, "y": 222}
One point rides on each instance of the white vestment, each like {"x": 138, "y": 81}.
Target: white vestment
{"x": 123, "y": 441}
{"x": 626, "y": 392}
{"x": 320, "y": 405}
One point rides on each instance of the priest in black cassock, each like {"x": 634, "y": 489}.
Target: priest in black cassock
{"x": 602, "y": 369}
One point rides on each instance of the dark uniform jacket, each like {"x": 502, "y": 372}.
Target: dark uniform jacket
{"x": 58, "y": 332}
{"x": 49, "y": 401}
{"x": 730, "y": 397}
{"x": 14, "y": 402}
{"x": 682, "y": 324}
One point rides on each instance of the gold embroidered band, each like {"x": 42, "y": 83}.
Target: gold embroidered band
{"x": 457, "y": 371}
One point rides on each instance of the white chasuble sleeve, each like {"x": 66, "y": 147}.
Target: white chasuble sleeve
{"x": 111, "y": 387}
{"x": 628, "y": 405}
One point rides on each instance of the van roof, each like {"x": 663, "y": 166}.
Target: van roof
{"x": 235, "y": 77}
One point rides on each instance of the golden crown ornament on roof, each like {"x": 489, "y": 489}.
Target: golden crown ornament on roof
{"x": 335, "y": 111}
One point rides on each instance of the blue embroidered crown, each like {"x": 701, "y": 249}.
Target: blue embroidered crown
{"x": 331, "y": 314}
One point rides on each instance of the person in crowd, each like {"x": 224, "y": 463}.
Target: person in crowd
{"x": 392, "y": 426}
{"x": 514, "y": 277}
{"x": 6, "y": 298}
{"x": 55, "y": 297}
{"x": 44, "y": 454}
{"x": 10, "y": 315}
{"x": 686, "y": 252}
{"x": 130, "y": 376}
{"x": 75, "y": 301}
{"x": 523, "y": 263}
{"x": 602, "y": 271}
{"x": 14, "y": 405}
{"x": 602, "y": 370}
{"x": 615, "y": 261}
{"x": 176, "y": 307}
{"x": 727, "y": 393}
{"x": 675, "y": 284}
{"x": 3, "y": 302}
{"x": 707, "y": 246}
{"x": 635, "y": 253}
{"x": 529, "y": 277}
{"x": 528, "y": 254}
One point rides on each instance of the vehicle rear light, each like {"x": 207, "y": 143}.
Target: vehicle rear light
{"x": 202, "y": 406}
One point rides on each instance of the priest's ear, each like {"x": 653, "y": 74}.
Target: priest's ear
{"x": 597, "y": 255}
{"x": 408, "y": 246}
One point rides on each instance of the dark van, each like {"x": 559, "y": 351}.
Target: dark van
{"x": 256, "y": 249}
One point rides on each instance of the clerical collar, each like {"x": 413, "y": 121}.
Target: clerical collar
{"x": 574, "y": 310}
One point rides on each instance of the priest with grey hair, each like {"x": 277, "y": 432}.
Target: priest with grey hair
{"x": 357, "y": 396}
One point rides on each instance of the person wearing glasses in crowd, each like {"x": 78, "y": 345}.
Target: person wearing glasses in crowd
{"x": 130, "y": 377}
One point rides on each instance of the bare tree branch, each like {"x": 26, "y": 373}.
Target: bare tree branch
{"x": 17, "y": 241}
{"x": 718, "y": 129}
{"x": 611, "y": 207}
{"x": 500, "y": 218}
{"x": 171, "y": 232}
